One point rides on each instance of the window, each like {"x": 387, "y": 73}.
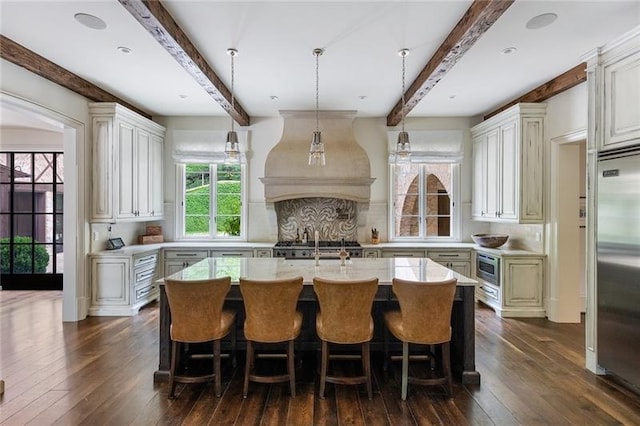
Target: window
{"x": 424, "y": 201}
{"x": 211, "y": 201}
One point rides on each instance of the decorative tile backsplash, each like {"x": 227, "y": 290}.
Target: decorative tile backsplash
{"x": 333, "y": 218}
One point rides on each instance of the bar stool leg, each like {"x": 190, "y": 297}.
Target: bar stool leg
{"x": 247, "y": 368}
{"x": 446, "y": 367}
{"x": 366, "y": 365}
{"x": 405, "y": 369}
{"x": 323, "y": 367}
{"x": 385, "y": 364}
{"x": 216, "y": 367}
{"x": 291, "y": 368}
{"x": 234, "y": 342}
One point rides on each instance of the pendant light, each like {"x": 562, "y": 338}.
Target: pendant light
{"x": 403, "y": 147}
{"x": 231, "y": 147}
{"x": 316, "y": 152}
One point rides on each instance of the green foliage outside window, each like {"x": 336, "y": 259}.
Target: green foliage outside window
{"x": 22, "y": 256}
{"x": 197, "y": 199}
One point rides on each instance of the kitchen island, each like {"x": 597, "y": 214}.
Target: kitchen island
{"x": 385, "y": 269}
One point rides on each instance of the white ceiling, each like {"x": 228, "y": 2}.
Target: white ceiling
{"x": 275, "y": 42}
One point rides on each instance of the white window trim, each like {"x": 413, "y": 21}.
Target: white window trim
{"x": 180, "y": 206}
{"x": 456, "y": 211}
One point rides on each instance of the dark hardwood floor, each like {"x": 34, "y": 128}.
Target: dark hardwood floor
{"x": 100, "y": 371}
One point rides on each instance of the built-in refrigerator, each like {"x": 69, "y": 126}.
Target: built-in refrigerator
{"x": 618, "y": 268}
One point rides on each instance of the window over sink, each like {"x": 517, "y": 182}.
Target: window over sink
{"x": 424, "y": 201}
{"x": 211, "y": 201}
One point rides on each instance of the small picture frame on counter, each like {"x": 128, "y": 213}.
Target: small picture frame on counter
{"x": 115, "y": 243}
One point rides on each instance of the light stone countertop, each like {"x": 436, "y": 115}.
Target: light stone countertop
{"x": 385, "y": 269}
{"x": 194, "y": 245}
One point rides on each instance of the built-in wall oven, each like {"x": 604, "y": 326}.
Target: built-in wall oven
{"x": 488, "y": 268}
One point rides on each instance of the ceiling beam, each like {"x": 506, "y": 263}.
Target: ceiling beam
{"x": 25, "y": 58}
{"x": 159, "y": 23}
{"x": 476, "y": 21}
{"x": 564, "y": 81}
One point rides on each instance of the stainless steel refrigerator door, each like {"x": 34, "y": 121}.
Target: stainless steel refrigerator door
{"x": 618, "y": 251}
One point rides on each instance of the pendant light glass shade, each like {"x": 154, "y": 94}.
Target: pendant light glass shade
{"x": 231, "y": 146}
{"x": 316, "y": 152}
{"x": 403, "y": 146}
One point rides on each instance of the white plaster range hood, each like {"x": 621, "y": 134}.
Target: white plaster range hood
{"x": 346, "y": 175}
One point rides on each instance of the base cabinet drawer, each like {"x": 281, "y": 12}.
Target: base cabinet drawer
{"x": 488, "y": 293}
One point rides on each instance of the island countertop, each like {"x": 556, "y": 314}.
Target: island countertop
{"x": 385, "y": 269}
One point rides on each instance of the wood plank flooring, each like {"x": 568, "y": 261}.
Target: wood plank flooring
{"x": 100, "y": 372}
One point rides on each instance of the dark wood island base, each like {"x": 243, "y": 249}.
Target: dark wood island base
{"x": 462, "y": 322}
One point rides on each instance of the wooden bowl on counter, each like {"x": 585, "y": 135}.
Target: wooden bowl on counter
{"x": 489, "y": 240}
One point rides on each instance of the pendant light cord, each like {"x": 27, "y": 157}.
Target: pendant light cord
{"x": 318, "y": 52}
{"x": 404, "y": 54}
{"x": 233, "y": 106}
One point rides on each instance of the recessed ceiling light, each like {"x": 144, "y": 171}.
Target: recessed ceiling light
{"x": 362, "y": 97}
{"x": 452, "y": 96}
{"x": 90, "y": 21}
{"x": 273, "y": 97}
{"x": 183, "y": 96}
{"x": 124, "y": 49}
{"x": 508, "y": 50}
{"x": 541, "y": 21}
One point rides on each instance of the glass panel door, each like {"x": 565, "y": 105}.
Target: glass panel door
{"x": 31, "y": 218}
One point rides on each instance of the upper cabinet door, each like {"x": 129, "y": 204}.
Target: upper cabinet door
{"x": 622, "y": 102}
{"x": 508, "y": 166}
{"x": 492, "y": 173}
{"x": 126, "y": 163}
{"x": 156, "y": 184}
{"x": 127, "y": 158}
{"x": 509, "y": 179}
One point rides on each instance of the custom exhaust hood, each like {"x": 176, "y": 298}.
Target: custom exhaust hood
{"x": 346, "y": 175}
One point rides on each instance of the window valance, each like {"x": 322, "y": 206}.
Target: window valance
{"x": 204, "y": 146}
{"x": 431, "y": 146}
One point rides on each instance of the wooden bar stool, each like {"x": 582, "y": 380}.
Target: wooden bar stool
{"x": 271, "y": 317}
{"x": 424, "y": 318}
{"x": 197, "y": 317}
{"x": 345, "y": 318}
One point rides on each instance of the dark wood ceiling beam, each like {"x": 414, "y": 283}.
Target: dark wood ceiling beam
{"x": 476, "y": 21}
{"x": 564, "y": 81}
{"x": 25, "y": 58}
{"x": 159, "y": 23}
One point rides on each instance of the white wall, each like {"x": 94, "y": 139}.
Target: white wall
{"x": 566, "y": 125}
{"x": 49, "y": 100}
{"x": 265, "y": 132}
{"x": 24, "y": 139}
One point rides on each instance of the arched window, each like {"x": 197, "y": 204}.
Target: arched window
{"x": 424, "y": 201}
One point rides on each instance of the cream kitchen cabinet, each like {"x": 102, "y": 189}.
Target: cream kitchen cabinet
{"x": 519, "y": 291}
{"x": 370, "y": 253}
{"x": 127, "y": 158}
{"x": 177, "y": 260}
{"x": 402, "y": 252}
{"x": 620, "y": 94}
{"x": 263, "y": 253}
{"x": 231, "y": 253}
{"x": 508, "y": 166}
{"x": 122, "y": 284}
{"x": 456, "y": 260}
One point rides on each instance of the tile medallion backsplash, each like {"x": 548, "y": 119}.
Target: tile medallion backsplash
{"x": 333, "y": 218}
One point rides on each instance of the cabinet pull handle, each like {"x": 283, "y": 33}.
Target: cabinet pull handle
{"x": 186, "y": 255}
{"x": 449, "y": 255}
{"x": 147, "y": 259}
{"x": 145, "y": 275}
{"x": 231, "y": 254}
